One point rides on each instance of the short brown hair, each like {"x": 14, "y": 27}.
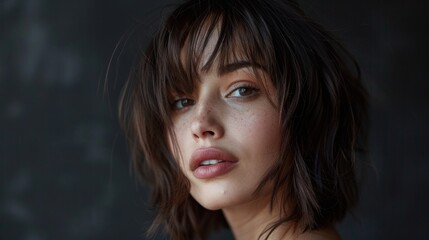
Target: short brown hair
{"x": 322, "y": 106}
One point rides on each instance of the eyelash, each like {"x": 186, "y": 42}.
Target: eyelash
{"x": 246, "y": 86}
{"x": 186, "y": 102}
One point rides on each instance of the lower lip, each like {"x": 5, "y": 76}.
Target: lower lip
{"x": 212, "y": 171}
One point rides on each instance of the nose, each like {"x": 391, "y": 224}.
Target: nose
{"x": 206, "y": 123}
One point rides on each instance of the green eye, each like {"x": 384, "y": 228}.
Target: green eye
{"x": 182, "y": 103}
{"x": 243, "y": 92}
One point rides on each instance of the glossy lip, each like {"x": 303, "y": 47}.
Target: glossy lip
{"x": 211, "y": 153}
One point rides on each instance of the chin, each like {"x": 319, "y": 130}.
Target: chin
{"x": 211, "y": 200}
{"x": 214, "y": 203}
{"x": 216, "y": 198}
{"x": 211, "y": 206}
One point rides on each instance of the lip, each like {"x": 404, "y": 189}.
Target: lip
{"x": 211, "y": 171}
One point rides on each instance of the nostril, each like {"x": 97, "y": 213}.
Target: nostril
{"x": 205, "y": 134}
{"x": 211, "y": 133}
{"x": 206, "y": 126}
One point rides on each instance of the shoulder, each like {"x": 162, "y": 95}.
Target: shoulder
{"x": 328, "y": 233}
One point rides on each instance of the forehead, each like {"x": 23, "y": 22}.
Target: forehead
{"x": 214, "y": 48}
{"x": 208, "y": 58}
{"x": 215, "y": 42}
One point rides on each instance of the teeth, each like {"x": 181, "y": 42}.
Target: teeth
{"x": 210, "y": 162}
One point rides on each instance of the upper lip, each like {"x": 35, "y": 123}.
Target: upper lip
{"x": 211, "y": 153}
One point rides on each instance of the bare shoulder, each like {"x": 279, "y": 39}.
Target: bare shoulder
{"x": 329, "y": 233}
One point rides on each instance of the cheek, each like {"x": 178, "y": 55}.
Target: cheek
{"x": 262, "y": 134}
{"x": 262, "y": 126}
{"x": 179, "y": 145}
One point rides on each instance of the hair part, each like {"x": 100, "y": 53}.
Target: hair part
{"x": 321, "y": 101}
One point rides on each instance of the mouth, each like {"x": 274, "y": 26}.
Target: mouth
{"x": 211, "y": 162}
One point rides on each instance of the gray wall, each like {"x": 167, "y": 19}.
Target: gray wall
{"x": 64, "y": 166}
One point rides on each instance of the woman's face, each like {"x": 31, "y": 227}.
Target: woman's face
{"x": 228, "y": 134}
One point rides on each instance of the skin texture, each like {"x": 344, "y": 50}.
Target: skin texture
{"x": 234, "y": 111}
{"x": 245, "y": 124}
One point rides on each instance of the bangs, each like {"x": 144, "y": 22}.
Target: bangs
{"x": 201, "y": 40}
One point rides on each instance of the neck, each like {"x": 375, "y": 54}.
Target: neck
{"x": 248, "y": 221}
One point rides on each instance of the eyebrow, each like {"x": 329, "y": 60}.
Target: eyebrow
{"x": 231, "y": 67}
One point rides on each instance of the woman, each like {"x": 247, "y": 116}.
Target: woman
{"x": 244, "y": 114}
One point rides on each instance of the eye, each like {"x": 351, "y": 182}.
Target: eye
{"x": 243, "y": 91}
{"x": 182, "y": 103}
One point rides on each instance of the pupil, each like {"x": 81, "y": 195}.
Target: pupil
{"x": 187, "y": 102}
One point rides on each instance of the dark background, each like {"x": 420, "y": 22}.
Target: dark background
{"x": 64, "y": 165}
